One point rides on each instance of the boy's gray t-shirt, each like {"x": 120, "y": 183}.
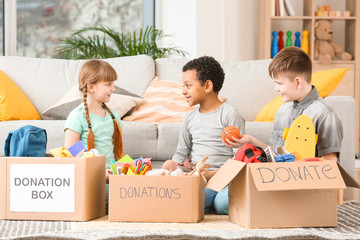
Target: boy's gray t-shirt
{"x": 200, "y": 136}
{"x": 327, "y": 124}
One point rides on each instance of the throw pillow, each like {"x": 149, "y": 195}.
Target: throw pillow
{"x": 163, "y": 103}
{"x": 14, "y": 105}
{"x": 121, "y": 100}
{"x": 325, "y": 82}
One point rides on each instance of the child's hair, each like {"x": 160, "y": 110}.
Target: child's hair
{"x": 92, "y": 72}
{"x": 291, "y": 62}
{"x": 207, "y": 68}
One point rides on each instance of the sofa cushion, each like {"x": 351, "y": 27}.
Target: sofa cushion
{"x": 168, "y": 137}
{"x": 140, "y": 139}
{"x": 259, "y": 130}
{"x": 163, "y": 103}
{"x": 324, "y": 81}
{"x": 46, "y": 81}
{"x": 14, "y": 105}
{"x": 121, "y": 100}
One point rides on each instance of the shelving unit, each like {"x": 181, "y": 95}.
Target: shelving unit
{"x": 348, "y": 33}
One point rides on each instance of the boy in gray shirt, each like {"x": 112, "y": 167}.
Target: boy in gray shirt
{"x": 200, "y": 134}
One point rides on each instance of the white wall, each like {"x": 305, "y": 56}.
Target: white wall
{"x": 224, "y": 29}
{"x": 177, "y": 18}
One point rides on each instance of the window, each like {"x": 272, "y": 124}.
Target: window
{"x": 40, "y": 23}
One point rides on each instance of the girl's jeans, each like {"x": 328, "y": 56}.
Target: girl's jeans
{"x": 217, "y": 202}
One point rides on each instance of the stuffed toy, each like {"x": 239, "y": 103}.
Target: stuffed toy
{"x": 325, "y": 48}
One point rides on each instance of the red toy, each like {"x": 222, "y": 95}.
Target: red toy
{"x": 229, "y": 132}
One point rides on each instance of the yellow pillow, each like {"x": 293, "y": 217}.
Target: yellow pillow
{"x": 324, "y": 81}
{"x": 14, "y": 105}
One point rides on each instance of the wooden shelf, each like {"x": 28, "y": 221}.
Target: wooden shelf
{"x": 305, "y": 20}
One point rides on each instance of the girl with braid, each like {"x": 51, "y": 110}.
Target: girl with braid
{"x": 92, "y": 121}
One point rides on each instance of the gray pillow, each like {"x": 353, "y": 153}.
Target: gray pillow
{"x": 121, "y": 100}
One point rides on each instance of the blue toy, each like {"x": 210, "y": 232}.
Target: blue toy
{"x": 297, "y": 40}
{"x": 274, "y": 45}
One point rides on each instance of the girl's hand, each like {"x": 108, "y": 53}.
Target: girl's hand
{"x": 238, "y": 142}
{"x": 108, "y": 172}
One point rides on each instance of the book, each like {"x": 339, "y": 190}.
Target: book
{"x": 282, "y": 8}
{"x": 277, "y": 7}
{"x": 289, "y": 8}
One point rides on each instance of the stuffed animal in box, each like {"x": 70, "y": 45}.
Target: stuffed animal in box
{"x": 325, "y": 48}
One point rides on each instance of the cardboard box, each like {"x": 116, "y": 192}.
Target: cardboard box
{"x": 156, "y": 198}
{"x": 281, "y": 195}
{"x": 42, "y": 188}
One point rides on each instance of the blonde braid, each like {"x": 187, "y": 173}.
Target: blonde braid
{"x": 90, "y": 138}
{"x": 117, "y": 136}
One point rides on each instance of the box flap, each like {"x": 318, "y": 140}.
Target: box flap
{"x": 225, "y": 174}
{"x": 349, "y": 181}
{"x": 296, "y": 175}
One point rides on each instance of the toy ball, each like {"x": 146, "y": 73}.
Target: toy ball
{"x": 229, "y": 132}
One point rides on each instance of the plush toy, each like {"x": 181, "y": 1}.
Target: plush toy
{"x": 325, "y": 48}
{"x": 200, "y": 168}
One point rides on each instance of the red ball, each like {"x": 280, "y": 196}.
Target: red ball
{"x": 229, "y": 132}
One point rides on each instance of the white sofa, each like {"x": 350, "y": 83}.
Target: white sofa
{"x": 247, "y": 87}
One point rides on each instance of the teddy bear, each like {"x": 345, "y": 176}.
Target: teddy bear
{"x": 325, "y": 48}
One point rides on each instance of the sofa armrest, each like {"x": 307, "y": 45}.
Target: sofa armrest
{"x": 344, "y": 107}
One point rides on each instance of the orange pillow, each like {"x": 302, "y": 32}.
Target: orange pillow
{"x": 14, "y": 105}
{"x": 163, "y": 102}
{"x": 324, "y": 81}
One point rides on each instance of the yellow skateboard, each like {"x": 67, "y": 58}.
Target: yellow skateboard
{"x": 301, "y": 137}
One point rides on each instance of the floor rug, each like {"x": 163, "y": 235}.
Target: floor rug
{"x": 213, "y": 227}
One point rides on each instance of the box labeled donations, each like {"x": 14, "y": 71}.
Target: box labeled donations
{"x": 44, "y": 188}
{"x": 134, "y": 198}
{"x": 281, "y": 195}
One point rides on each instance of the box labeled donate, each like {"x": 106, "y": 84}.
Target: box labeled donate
{"x": 281, "y": 195}
{"x": 44, "y": 188}
{"x": 156, "y": 198}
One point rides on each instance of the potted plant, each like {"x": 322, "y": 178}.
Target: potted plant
{"x": 103, "y": 42}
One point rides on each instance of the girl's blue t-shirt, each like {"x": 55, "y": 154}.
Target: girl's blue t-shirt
{"x": 102, "y": 127}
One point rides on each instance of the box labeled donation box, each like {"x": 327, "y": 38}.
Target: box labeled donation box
{"x": 282, "y": 195}
{"x": 46, "y": 188}
{"x": 156, "y": 198}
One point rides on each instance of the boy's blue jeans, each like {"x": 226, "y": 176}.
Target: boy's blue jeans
{"x": 217, "y": 202}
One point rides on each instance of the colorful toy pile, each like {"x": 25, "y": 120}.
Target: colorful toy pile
{"x": 76, "y": 150}
{"x": 128, "y": 166}
{"x": 300, "y": 142}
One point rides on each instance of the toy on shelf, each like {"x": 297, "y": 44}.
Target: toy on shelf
{"x": 301, "y": 137}
{"x": 274, "y": 44}
{"x": 305, "y": 42}
{"x": 229, "y": 132}
{"x": 297, "y": 39}
{"x": 325, "y": 11}
{"x": 325, "y": 48}
{"x": 288, "y": 39}
{"x": 281, "y": 40}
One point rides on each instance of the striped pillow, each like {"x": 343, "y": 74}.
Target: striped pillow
{"x": 163, "y": 103}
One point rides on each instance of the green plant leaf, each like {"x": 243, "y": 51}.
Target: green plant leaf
{"x": 104, "y": 42}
